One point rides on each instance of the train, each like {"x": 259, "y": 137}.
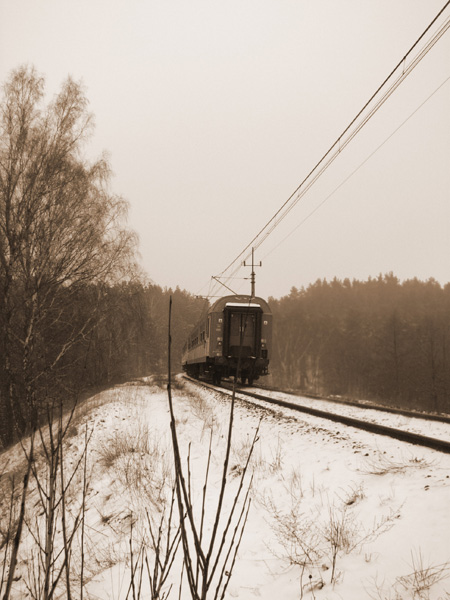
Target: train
{"x": 233, "y": 338}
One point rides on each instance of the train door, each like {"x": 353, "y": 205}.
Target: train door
{"x": 242, "y": 329}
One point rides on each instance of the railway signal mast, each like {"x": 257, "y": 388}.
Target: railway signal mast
{"x": 252, "y": 276}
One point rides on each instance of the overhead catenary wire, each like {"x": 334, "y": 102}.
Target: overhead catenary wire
{"x": 343, "y": 140}
{"x": 391, "y": 135}
{"x": 398, "y": 74}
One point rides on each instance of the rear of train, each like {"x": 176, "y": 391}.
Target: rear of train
{"x": 233, "y": 339}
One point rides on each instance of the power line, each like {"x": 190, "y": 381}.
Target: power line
{"x": 391, "y": 135}
{"x": 357, "y": 123}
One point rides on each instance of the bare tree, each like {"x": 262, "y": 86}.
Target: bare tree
{"x": 62, "y": 239}
{"x": 60, "y": 230}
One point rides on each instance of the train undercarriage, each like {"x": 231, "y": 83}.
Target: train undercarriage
{"x": 248, "y": 370}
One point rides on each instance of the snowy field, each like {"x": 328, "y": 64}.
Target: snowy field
{"x": 435, "y": 429}
{"x": 336, "y": 513}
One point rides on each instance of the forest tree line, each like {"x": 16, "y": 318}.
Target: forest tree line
{"x": 124, "y": 335}
{"x": 75, "y": 311}
{"x": 381, "y": 340}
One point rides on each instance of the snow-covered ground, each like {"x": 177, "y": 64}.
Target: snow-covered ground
{"x": 431, "y": 428}
{"x": 336, "y": 513}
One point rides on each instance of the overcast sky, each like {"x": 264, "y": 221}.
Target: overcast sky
{"x": 214, "y": 111}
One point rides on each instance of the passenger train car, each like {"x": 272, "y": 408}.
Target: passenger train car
{"x": 233, "y": 339}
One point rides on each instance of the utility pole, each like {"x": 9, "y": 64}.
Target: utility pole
{"x": 252, "y": 276}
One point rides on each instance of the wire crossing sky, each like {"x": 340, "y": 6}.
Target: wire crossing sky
{"x": 212, "y": 113}
{"x": 360, "y": 165}
{"x": 376, "y": 101}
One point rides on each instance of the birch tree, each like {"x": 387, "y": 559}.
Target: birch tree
{"x": 61, "y": 230}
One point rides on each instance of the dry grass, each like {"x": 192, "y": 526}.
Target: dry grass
{"x": 276, "y": 462}
{"x": 140, "y": 462}
{"x": 423, "y": 576}
{"x": 314, "y": 539}
{"x": 240, "y": 451}
{"x": 382, "y": 464}
{"x": 203, "y": 411}
{"x": 352, "y": 495}
{"x": 136, "y": 439}
{"x": 417, "y": 584}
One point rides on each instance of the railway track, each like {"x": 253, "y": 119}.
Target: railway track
{"x": 404, "y": 435}
{"x": 366, "y": 405}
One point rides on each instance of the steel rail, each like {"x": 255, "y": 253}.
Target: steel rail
{"x": 399, "y": 434}
{"x": 415, "y": 414}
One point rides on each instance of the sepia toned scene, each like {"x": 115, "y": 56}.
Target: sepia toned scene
{"x": 224, "y": 300}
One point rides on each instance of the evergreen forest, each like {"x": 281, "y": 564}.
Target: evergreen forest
{"x": 382, "y": 340}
